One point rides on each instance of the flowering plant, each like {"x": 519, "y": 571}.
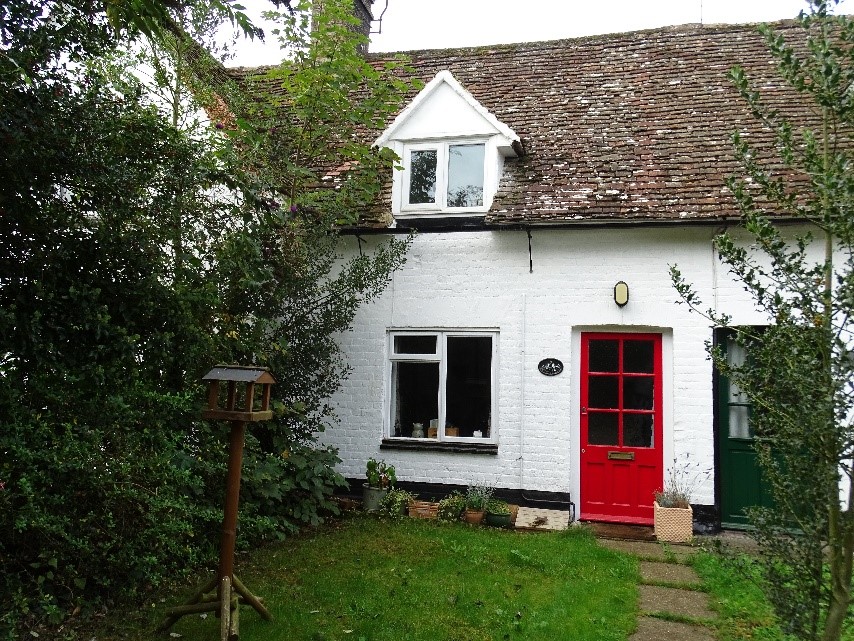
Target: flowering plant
{"x": 680, "y": 485}
{"x": 380, "y": 474}
{"x": 477, "y": 496}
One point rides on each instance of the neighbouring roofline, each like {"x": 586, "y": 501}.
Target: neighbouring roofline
{"x": 686, "y": 27}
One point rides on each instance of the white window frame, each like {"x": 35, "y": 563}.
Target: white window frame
{"x": 441, "y": 148}
{"x": 439, "y": 357}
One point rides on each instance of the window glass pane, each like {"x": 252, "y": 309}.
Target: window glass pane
{"x": 637, "y": 392}
{"x": 739, "y": 421}
{"x": 602, "y": 392}
{"x": 637, "y": 430}
{"x": 603, "y": 429}
{"x": 604, "y": 356}
{"x": 468, "y": 392}
{"x": 415, "y": 344}
{"x": 638, "y": 356}
{"x": 465, "y": 175}
{"x": 415, "y": 396}
{"x": 422, "y": 176}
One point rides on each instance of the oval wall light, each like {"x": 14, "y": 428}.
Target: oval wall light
{"x": 621, "y": 293}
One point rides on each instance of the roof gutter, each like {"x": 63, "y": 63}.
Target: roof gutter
{"x": 403, "y": 229}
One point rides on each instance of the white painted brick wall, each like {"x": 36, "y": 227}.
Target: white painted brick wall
{"x": 481, "y": 280}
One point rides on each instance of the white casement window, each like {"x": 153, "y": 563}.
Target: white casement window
{"x": 445, "y": 176}
{"x": 442, "y": 385}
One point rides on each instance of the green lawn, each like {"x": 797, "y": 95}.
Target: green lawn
{"x": 372, "y": 580}
{"x": 365, "y": 579}
{"x": 734, "y": 586}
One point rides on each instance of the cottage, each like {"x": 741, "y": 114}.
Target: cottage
{"x": 533, "y": 340}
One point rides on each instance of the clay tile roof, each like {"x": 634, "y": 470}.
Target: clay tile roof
{"x": 633, "y": 126}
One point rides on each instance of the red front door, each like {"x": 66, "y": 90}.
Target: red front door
{"x": 621, "y": 426}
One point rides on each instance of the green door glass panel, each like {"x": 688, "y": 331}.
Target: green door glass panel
{"x": 741, "y": 483}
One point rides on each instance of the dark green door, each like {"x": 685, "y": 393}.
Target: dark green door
{"x": 741, "y": 483}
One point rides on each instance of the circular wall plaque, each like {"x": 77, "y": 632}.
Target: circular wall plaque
{"x": 550, "y": 366}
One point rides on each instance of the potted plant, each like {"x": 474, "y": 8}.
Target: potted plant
{"x": 476, "y": 498}
{"x": 395, "y": 503}
{"x": 672, "y": 514}
{"x": 381, "y": 478}
{"x": 497, "y": 513}
{"x": 451, "y": 507}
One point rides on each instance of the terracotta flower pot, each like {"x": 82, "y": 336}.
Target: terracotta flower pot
{"x": 473, "y": 516}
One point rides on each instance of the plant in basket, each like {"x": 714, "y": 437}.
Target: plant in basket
{"x": 672, "y": 513}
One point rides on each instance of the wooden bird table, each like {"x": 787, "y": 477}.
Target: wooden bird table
{"x": 224, "y": 593}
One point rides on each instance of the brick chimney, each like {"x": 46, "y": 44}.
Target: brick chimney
{"x": 362, "y": 12}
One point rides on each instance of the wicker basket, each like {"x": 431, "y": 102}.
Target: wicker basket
{"x": 673, "y": 524}
{"x": 423, "y": 510}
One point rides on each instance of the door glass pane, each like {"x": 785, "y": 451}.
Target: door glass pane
{"x": 604, "y": 356}
{"x": 735, "y": 393}
{"x": 468, "y": 391}
{"x": 739, "y": 421}
{"x": 637, "y": 392}
{"x": 465, "y": 175}
{"x": 603, "y": 429}
{"x": 735, "y": 354}
{"x": 603, "y": 392}
{"x": 422, "y": 176}
{"x": 415, "y": 344}
{"x": 637, "y": 430}
{"x": 739, "y": 408}
{"x": 415, "y": 396}
{"x": 638, "y": 356}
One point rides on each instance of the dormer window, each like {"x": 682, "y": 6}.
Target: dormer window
{"x": 444, "y": 176}
{"x": 451, "y": 150}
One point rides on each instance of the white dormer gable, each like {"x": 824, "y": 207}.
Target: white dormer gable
{"x": 452, "y": 152}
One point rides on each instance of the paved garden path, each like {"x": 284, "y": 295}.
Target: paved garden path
{"x": 672, "y": 606}
{"x": 671, "y": 603}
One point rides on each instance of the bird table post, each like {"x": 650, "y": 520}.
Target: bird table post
{"x": 255, "y": 406}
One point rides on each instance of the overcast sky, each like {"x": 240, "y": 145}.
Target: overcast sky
{"x": 428, "y": 24}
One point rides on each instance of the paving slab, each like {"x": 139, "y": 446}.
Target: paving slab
{"x": 533, "y": 518}
{"x": 652, "y": 629}
{"x": 686, "y": 603}
{"x": 657, "y": 572}
{"x": 649, "y": 550}
{"x": 733, "y": 540}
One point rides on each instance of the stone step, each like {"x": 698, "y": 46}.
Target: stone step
{"x": 649, "y": 550}
{"x": 684, "y": 603}
{"x": 657, "y": 572}
{"x": 652, "y": 629}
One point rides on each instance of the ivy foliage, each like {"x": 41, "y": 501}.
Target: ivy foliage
{"x": 135, "y": 254}
{"x": 799, "y": 369}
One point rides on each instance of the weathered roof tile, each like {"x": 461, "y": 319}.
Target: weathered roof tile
{"x": 632, "y": 126}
